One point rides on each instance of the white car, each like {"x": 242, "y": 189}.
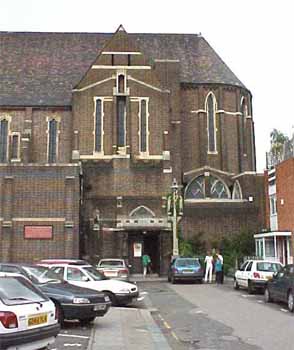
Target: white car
{"x": 254, "y": 274}
{"x": 119, "y": 292}
{"x": 28, "y": 319}
{"x": 114, "y": 268}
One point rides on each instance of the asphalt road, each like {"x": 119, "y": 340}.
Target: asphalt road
{"x": 198, "y": 316}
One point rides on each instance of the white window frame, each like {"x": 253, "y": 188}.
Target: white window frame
{"x": 123, "y": 149}
{"x": 101, "y": 98}
{"x": 49, "y": 119}
{"x": 146, "y": 99}
{"x": 207, "y": 119}
{"x": 273, "y": 204}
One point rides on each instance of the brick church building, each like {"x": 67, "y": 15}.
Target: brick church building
{"x": 94, "y": 127}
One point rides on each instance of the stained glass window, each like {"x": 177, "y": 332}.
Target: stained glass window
{"x": 98, "y": 126}
{"x": 52, "y": 149}
{"x": 143, "y": 126}
{"x": 237, "y": 194}
{"x": 196, "y": 189}
{"x": 3, "y": 140}
{"x": 218, "y": 189}
{"x": 121, "y": 121}
{"x": 211, "y": 123}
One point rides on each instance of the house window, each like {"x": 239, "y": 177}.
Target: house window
{"x": 143, "y": 126}
{"x": 273, "y": 204}
{"x": 211, "y": 128}
{"x": 98, "y": 126}
{"x": 15, "y": 146}
{"x": 121, "y": 121}
{"x": 52, "y": 141}
{"x": 3, "y": 140}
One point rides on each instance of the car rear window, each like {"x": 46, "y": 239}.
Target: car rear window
{"x": 112, "y": 263}
{"x": 268, "y": 267}
{"x": 187, "y": 262}
{"x": 17, "y": 290}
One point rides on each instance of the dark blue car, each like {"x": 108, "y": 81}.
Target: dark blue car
{"x": 185, "y": 269}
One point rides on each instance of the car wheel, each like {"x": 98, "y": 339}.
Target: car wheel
{"x": 173, "y": 280}
{"x": 236, "y": 284}
{"x": 112, "y": 298}
{"x": 290, "y": 301}
{"x": 86, "y": 321}
{"x": 250, "y": 287}
{"x": 60, "y": 314}
{"x": 267, "y": 296}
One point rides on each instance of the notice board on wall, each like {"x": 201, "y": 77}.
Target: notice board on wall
{"x": 38, "y": 232}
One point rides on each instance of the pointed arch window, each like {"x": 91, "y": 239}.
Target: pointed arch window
{"x": 121, "y": 84}
{"x": 142, "y": 212}
{"x": 3, "y": 140}
{"x": 121, "y": 121}
{"x": 211, "y": 122}
{"x": 143, "y": 115}
{"x": 207, "y": 187}
{"x": 52, "y": 140}
{"x": 237, "y": 193}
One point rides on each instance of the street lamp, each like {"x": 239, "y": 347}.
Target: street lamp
{"x": 175, "y": 212}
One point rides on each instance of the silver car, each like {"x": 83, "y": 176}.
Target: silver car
{"x": 114, "y": 268}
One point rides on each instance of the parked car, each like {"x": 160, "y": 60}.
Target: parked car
{"x": 28, "y": 318}
{"x": 254, "y": 274}
{"x": 114, "y": 268}
{"x": 281, "y": 287}
{"x": 48, "y": 262}
{"x": 182, "y": 268}
{"x": 119, "y": 292}
{"x": 72, "y": 302}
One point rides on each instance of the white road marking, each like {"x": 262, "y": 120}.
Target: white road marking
{"x": 260, "y": 301}
{"x": 72, "y": 335}
{"x": 143, "y": 293}
{"x": 77, "y": 344}
{"x": 284, "y": 310}
{"x": 140, "y": 298}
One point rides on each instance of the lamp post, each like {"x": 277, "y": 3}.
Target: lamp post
{"x": 175, "y": 211}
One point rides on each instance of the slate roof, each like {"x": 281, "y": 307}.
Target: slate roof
{"x": 42, "y": 68}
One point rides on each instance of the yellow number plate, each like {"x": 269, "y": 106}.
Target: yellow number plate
{"x": 35, "y": 320}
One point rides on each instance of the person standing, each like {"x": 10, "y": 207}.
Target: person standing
{"x": 218, "y": 270}
{"x": 220, "y": 257}
{"x": 145, "y": 261}
{"x": 209, "y": 267}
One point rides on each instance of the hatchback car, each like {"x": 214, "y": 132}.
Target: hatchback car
{"x": 114, "y": 268}
{"x": 119, "y": 292}
{"x": 185, "y": 269}
{"x": 72, "y": 302}
{"x": 27, "y": 317}
{"x": 254, "y": 274}
{"x": 281, "y": 287}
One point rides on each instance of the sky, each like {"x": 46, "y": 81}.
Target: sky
{"x": 253, "y": 37}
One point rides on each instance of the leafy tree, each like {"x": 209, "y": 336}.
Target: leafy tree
{"x": 277, "y": 139}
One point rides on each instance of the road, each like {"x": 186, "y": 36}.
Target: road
{"x": 199, "y": 316}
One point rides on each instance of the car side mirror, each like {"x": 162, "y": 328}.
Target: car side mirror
{"x": 85, "y": 279}
{"x": 129, "y": 266}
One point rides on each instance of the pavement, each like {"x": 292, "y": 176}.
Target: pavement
{"x": 127, "y": 329}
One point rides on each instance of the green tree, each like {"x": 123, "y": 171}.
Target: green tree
{"x": 277, "y": 139}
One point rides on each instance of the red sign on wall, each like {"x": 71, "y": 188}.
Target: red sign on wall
{"x": 38, "y": 232}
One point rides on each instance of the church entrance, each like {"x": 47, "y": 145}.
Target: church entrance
{"x": 144, "y": 242}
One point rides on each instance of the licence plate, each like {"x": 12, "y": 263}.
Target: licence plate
{"x": 36, "y": 320}
{"x": 187, "y": 271}
{"x": 99, "y": 307}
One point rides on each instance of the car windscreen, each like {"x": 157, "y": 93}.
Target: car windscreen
{"x": 268, "y": 267}
{"x": 93, "y": 273}
{"x": 111, "y": 263}
{"x": 187, "y": 262}
{"x": 36, "y": 271}
{"x": 17, "y": 290}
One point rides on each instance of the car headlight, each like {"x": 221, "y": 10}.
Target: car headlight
{"x": 124, "y": 290}
{"x": 81, "y": 301}
{"x": 106, "y": 298}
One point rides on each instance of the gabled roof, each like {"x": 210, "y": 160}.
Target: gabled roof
{"x": 42, "y": 68}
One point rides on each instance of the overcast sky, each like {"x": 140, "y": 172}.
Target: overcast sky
{"x": 253, "y": 37}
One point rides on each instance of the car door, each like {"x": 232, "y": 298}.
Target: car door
{"x": 240, "y": 274}
{"x": 277, "y": 285}
{"x": 247, "y": 275}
